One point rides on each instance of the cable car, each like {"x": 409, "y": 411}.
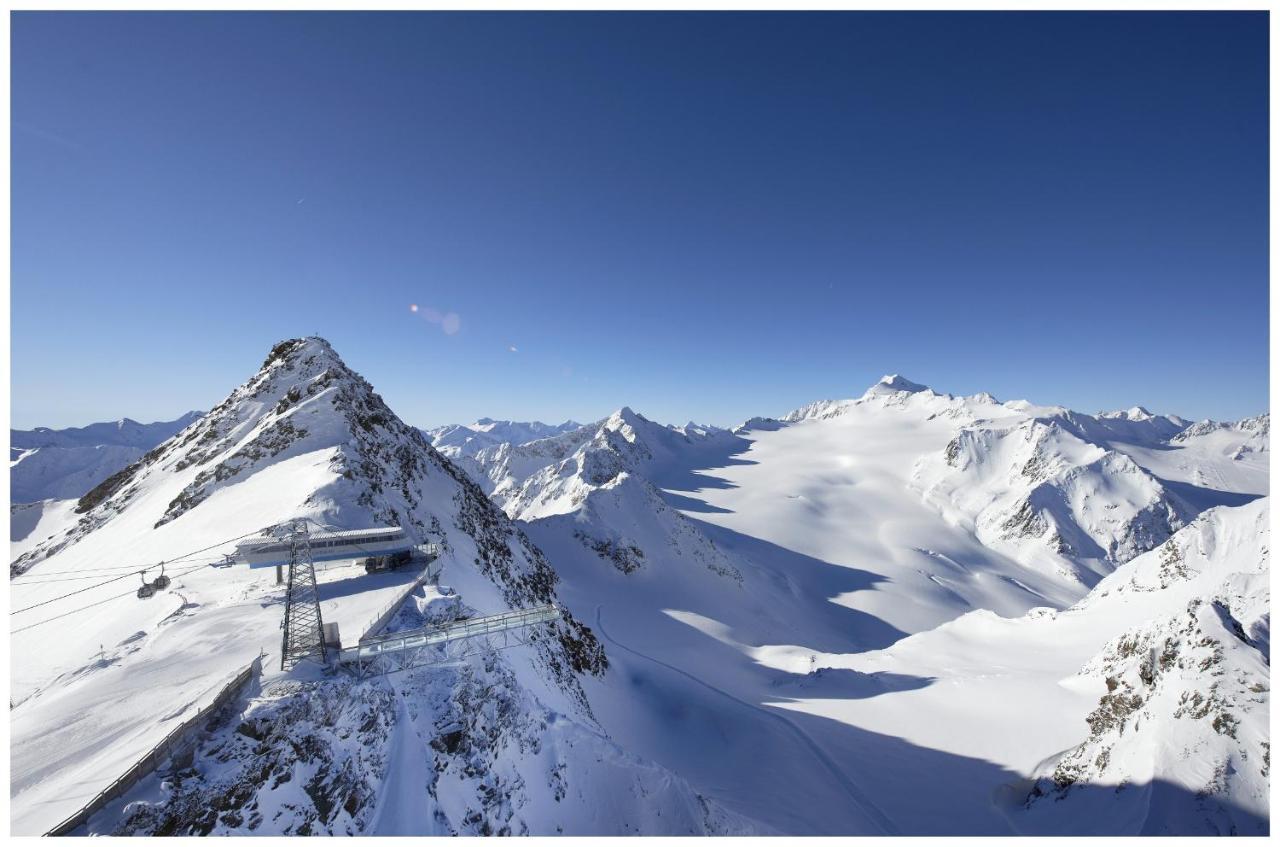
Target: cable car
{"x": 266, "y": 551}
{"x": 161, "y": 582}
{"x": 145, "y": 590}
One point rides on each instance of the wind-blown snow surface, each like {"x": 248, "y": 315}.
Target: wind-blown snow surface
{"x": 735, "y": 575}
{"x": 98, "y": 676}
{"x": 49, "y": 464}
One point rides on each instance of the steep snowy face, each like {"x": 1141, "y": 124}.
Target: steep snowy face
{"x": 817, "y": 410}
{"x": 461, "y": 749}
{"x": 501, "y": 469}
{"x": 594, "y": 486}
{"x": 1135, "y": 426}
{"x": 1184, "y": 716}
{"x": 625, "y": 522}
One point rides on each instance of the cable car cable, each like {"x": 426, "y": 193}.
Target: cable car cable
{"x": 140, "y": 569}
{"x": 129, "y": 593}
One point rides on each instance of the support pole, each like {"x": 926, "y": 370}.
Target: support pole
{"x": 303, "y": 627}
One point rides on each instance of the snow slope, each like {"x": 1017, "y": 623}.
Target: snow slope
{"x": 60, "y": 464}
{"x": 1090, "y": 735}
{"x": 517, "y": 747}
{"x": 734, "y": 574}
{"x": 32, "y": 523}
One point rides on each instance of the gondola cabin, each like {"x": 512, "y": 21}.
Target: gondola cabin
{"x": 267, "y": 551}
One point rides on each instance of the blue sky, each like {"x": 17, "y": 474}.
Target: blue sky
{"x": 699, "y": 216}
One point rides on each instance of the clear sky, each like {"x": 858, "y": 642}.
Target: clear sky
{"x": 699, "y": 216}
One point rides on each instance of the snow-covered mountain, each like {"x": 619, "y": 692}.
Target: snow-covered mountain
{"x": 1014, "y": 478}
{"x": 57, "y": 464}
{"x": 734, "y": 571}
{"x": 502, "y": 743}
{"x": 903, "y": 613}
{"x": 456, "y": 440}
{"x": 1065, "y": 496}
{"x": 124, "y": 433}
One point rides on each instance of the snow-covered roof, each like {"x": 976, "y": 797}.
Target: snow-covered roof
{"x": 316, "y": 536}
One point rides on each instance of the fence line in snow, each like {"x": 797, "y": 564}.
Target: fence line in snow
{"x": 172, "y": 742}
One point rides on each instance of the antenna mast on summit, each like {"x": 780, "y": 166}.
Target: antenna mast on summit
{"x": 303, "y": 628}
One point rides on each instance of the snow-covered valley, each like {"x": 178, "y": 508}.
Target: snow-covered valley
{"x": 904, "y": 613}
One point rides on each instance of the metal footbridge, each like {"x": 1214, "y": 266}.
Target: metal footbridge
{"x": 445, "y": 642}
{"x": 305, "y": 630}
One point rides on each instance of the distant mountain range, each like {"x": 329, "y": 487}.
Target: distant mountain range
{"x": 62, "y": 463}
{"x": 468, "y": 439}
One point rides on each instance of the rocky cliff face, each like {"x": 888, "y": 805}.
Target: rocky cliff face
{"x": 1185, "y": 712}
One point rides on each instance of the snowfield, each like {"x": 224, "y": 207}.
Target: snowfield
{"x": 904, "y": 613}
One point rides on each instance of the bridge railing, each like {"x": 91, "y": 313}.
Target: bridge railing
{"x": 470, "y": 628}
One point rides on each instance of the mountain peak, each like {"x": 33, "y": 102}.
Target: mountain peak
{"x": 625, "y": 415}
{"x": 312, "y": 344}
{"x": 1134, "y": 413}
{"x": 893, "y": 383}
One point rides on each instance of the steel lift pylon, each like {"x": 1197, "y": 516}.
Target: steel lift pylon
{"x": 303, "y": 628}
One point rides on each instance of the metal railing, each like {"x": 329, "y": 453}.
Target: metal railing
{"x": 430, "y": 573}
{"x": 173, "y": 741}
{"x": 471, "y": 628}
